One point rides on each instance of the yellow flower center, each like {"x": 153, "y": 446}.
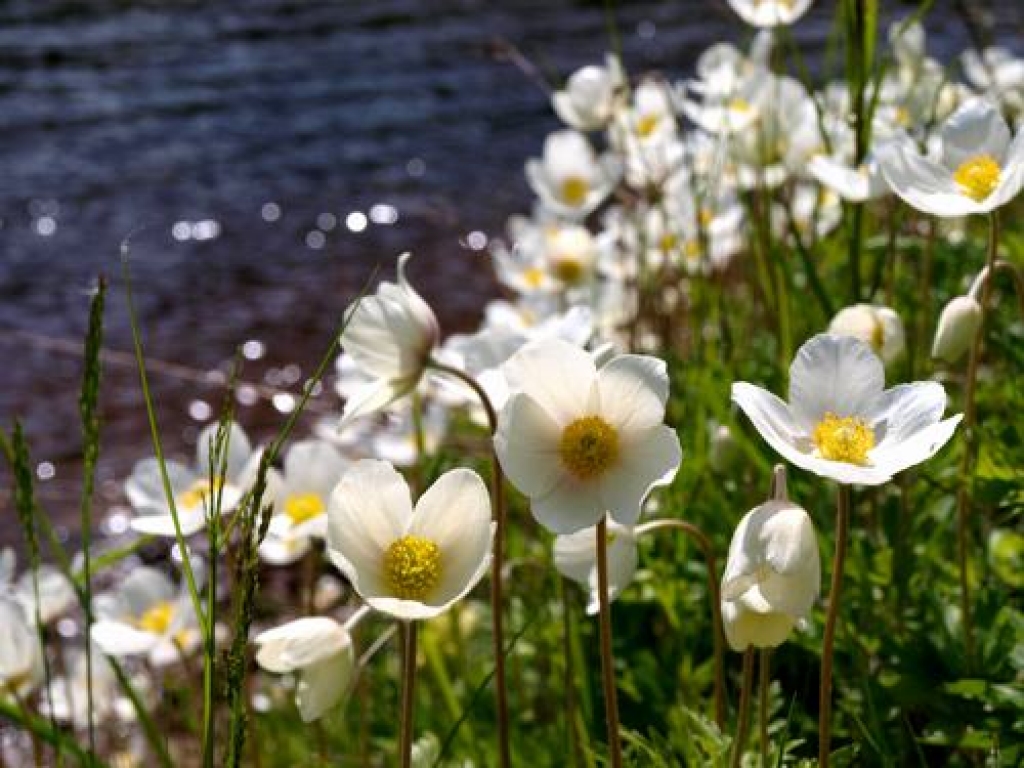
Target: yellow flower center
{"x": 568, "y": 270}
{"x": 692, "y": 250}
{"x": 589, "y": 446}
{"x": 844, "y": 438}
{"x": 877, "y": 337}
{"x": 668, "y": 243}
{"x": 301, "y": 507}
{"x": 157, "y": 619}
{"x": 646, "y": 124}
{"x": 197, "y": 493}
{"x": 739, "y": 105}
{"x": 978, "y": 176}
{"x": 533, "y": 277}
{"x": 574, "y": 190}
{"x": 412, "y": 567}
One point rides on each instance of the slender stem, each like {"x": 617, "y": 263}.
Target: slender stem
{"x": 762, "y": 691}
{"x": 714, "y": 595}
{"x": 963, "y": 493}
{"x": 743, "y": 723}
{"x": 828, "y": 642}
{"x": 408, "y": 690}
{"x": 497, "y": 565}
{"x": 572, "y": 742}
{"x": 611, "y": 703}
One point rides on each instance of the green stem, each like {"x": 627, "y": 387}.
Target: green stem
{"x": 743, "y": 723}
{"x": 828, "y": 641}
{"x": 611, "y": 702}
{"x": 408, "y": 692}
{"x": 763, "y": 714}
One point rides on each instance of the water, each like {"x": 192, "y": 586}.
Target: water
{"x": 245, "y": 146}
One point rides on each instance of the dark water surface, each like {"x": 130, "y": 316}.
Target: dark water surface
{"x": 261, "y": 152}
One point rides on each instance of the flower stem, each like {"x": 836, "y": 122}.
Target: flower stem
{"x": 611, "y": 704}
{"x": 764, "y": 668}
{"x": 714, "y": 594}
{"x": 963, "y": 495}
{"x": 497, "y": 565}
{"x": 743, "y": 723}
{"x": 828, "y": 642}
{"x": 408, "y": 690}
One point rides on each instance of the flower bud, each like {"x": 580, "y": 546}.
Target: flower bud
{"x": 958, "y": 323}
{"x": 877, "y": 326}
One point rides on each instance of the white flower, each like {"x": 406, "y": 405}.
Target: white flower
{"x": 877, "y": 326}
{"x": 56, "y": 594}
{"x": 191, "y": 486}
{"x": 772, "y": 577}
{"x": 68, "y": 697}
{"x": 147, "y": 615}
{"x": 21, "y": 657}
{"x": 409, "y": 563}
{"x": 576, "y": 558}
{"x": 581, "y": 441}
{"x": 311, "y": 470}
{"x": 569, "y": 179}
{"x": 589, "y": 98}
{"x": 389, "y": 336}
{"x": 319, "y": 650}
{"x": 958, "y": 323}
{"x": 864, "y": 182}
{"x": 980, "y": 168}
{"x": 839, "y": 423}
{"x": 770, "y": 13}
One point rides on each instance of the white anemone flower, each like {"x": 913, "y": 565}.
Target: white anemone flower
{"x": 311, "y": 470}
{"x": 980, "y": 168}
{"x": 319, "y": 651}
{"x": 21, "y": 656}
{"x": 770, "y": 13}
{"x": 875, "y": 325}
{"x": 56, "y": 594}
{"x": 856, "y": 184}
{"x": 389, "y": 336}
{"x": 67, "y": 699}
{"x": 570, "y": 179}
{"x": 576, "y": 558}
{"x": 590, "y": 96}
{"x": 193, "y": 491}
{"x": 146, "y": 616}
{"x": 581, "y": 440}
{"x": 772, "y": 577}
{"x": 958, "y": 323}
{"x": 840, "y": 423}
{"x": 410, "y": 563}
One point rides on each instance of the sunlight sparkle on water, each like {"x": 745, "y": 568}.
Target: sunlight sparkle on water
{"x": 253, "y": 349}
{"x": 356, "y": 221}
{"x": 382, "y": 213}
{"x": 270, "y": 211}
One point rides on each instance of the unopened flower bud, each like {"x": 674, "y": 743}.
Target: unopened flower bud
{"x": 958, "y": 323}
{"x": 877, "y": 326}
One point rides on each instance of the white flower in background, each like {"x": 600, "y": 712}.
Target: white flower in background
{"x": 647, "y": 137}
{"x": 856, "y": 184}
{"x": 70, "y": 693}
{"x": 840, "y": 423}
{"x": 394, "y": 441}
{"x": 319, "y": 651}
{"x": 576, "y": 558}
{"x": 877, "y": 326}
{"x": 405, "y": 562}
{"x": 311, "y": 470}
{"x": 581, "y": 441}
{"x": 958, "y": 324}
{"x": 21, "y": 657}
{"x": 569, "y": 178}
{"x": 772, "y": 577}
{"x": 999, "y": 75}
{"x": 729, "y": 94}
{"x": 813, "y": 210}
{"x": 146, "y": 616}
{"x": 389, "y": 336}
{"x": 56, "y": 594}
{"x": 546, "y": 257}
{"x": 194, "y": 494}
{"x": 590, "y": 96}
{"x": 770, "y": 13}
{"x": 980, "y": 168}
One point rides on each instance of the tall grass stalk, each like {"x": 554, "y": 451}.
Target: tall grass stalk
{"x": 843, "y": 494}
{"x": 611, "y": 701}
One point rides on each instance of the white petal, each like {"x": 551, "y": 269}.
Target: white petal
{"x": 373, "y": 397}
{"x": 633, "y": 390}
{"x": 283, "y": 550}
{"x": 771, "y": 417}
{"x": 837, "y": 374}
{"x": 976, "y": 128}
{"x": 324, "y": 684}
{"x": 115, "y": 638}
{"x": 569, "y": 506}
{"x": 556, "y": 374}
{"x": 905, "y": 410}
{"x": 300, "y": 643}
{"x": 919, "y": 447}
{"x": 313, "y": 466}
{"x": 575, "y": 554}
{"x": 527, "y": 445}
{"x": 237, "y": 450}
{"x": 145, "y": 485}
{"x": 924, "y": 184}
{"x": 649, "y": 458}
{"x": 191, "y": 522}
{"x": 744, "y": 628}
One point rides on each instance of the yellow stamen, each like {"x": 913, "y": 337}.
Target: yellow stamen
{"x": 739, "y": 105}
{"x": 301, "y": 507}
{"x": 691, "y": 250}
{"x": 534, "y": 277}
{"x": 574, "y": 190}
{"x": 412, "y": 567}
{"x": 844, "y": 438}
{"x": 978, "y": 176}
{"x": 877, "y": 337}
{"x": 645, "y": 125}
{"x": 589, "y": 446}
{"x": 668, "y": 243}
{"x": 157, "y": 618}
{"x": 568, "y": 270}
{"x": 197, "y": 493}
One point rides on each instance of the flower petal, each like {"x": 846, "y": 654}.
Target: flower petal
{"x": 324, "y": 684}
{"x": 832, "y": 373}
{"x": 556, "y": 374}
{"x": 649, "y": 459}
{"x": 569, "y": 506}
{"x": 633, "y": 390}
{"x": 300, "y": 643}
{"x": 976, "y": 128}
{"x": 527, "y": 445}
{"x": 919, "y": 447}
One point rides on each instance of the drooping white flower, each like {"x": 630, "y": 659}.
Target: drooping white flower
{"x": 146, "y": 616}
{"x": 958, "y": 323}
{"x": 981, "y": 166}
{"x": 389, "y": 336}
{"x": 581, "y": 441}
{"x": 590, "y": 96}
{"x": 840, "y": 423}
{"x": 411, "y": 563}
{"x": 319, "y": 651}
{"x": 770, "y": 13}
{"x": 772, "y": 577}
{"x": 569, "y": 178}
{"x": 21, "y": 656}
{"x": 877, "y": 326}
{"x": 576, "y": 558}
{"x": 194, "y": 494}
